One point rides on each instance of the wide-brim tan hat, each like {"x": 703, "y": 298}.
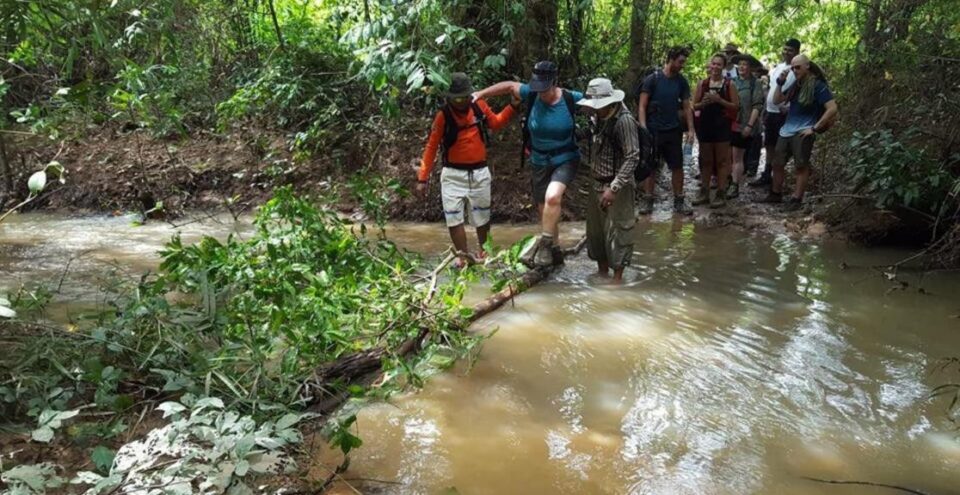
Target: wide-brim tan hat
{"x": 600, "y": 93}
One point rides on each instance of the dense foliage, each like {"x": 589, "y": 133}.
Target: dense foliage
{"x": 239, "y": 326}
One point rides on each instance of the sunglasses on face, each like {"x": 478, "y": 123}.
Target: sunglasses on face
{"x": 460, "y": 100}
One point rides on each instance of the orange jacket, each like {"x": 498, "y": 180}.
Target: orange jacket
{"x": 469, "y": 147}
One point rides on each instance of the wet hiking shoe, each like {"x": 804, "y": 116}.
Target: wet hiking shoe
{"x": 703, "y": 197}
{"x": 771, "y": 197}
{"x": 646, "y": 205}
{"x": 719, "y": 200}
{"x": 792, "y": 204}
{"x": 544, "y": 256}
{"x": 680, "y": 206}
{"x": 733, "y": 191}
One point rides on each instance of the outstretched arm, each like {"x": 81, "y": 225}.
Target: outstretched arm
{"x": 499, "y": 89}
{"x": 496, "y": 121}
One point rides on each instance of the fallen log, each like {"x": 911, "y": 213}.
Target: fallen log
{"x": 358, "y": 367}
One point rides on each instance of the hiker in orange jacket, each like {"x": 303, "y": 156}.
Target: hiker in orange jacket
{"x": 459, "y": 133}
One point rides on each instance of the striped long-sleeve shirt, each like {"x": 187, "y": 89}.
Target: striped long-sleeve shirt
{"x": 615, "y": 150}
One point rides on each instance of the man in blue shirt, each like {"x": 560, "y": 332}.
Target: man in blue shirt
{"x": 812, "y": 111}
{"x": 664, "y": 95}
{"x": 552, "y": 144}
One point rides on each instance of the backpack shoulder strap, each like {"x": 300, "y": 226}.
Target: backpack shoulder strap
{"x": 528, "y": 103}
{"x": 571, "y": 105}
{"x": 478, "y": 114}
{"x": 480, "y": 120}
{"x": 450, "y": 128}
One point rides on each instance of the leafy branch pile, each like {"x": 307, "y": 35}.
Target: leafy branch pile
{"x": 247, "y": 321}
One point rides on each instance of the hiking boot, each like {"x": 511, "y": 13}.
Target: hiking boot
{"x": 771, "y": 197}
{"x": 719, "y": 200}
{"x": 761, "y": 182}
{"x": 703, "y": 197}
{"x": 680, "y": 206}
{"x": 544, "y": 256}
{"x": 733, "y": 190}
{"x": 646, "y": 205}
{"x": 792, "y": 204}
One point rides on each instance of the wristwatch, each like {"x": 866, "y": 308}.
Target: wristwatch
{"x": 615, "y": 186}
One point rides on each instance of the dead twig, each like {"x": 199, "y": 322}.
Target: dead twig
{"x": 865, "y": 483}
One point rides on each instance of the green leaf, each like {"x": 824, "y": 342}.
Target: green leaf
{"x": 171, "y": 408}
{"x": 287, "y": 421}
{"x": 102, "y": 458}
{"x": 42, "y": 434}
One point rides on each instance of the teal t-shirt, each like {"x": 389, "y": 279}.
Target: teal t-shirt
{"x": 551, "y": 127}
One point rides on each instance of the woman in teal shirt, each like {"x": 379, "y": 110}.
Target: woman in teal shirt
{"x": 553, "y": 147}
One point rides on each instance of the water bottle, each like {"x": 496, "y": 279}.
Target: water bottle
{"x": 687, "y": 154}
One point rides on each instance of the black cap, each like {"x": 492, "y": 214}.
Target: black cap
{"x": 793, "y": 43}
{"x": 459, "y": 85}
{"x": 544, "y": 76}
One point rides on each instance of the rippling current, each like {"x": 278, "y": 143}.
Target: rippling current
{"x": 728, "y": 363}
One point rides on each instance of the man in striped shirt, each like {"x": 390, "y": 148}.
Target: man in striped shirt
{"x": 614, "y": 155}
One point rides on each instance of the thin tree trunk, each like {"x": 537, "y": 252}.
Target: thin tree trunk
{"x": 639, "y": 56}
{"x": 5, "y": 168}
{"x": 276, "y": 25}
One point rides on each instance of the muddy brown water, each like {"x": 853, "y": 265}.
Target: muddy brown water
{"x": 728, "y": 363}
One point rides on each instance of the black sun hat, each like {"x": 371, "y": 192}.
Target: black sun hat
{"x": 544, "y": 76}
{"x": 459, "y": 86}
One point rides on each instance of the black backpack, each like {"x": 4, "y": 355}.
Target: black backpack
{"x": 647, "y": 160}
{"x": 525, "y": 129}
{"x": 451, "y": 130}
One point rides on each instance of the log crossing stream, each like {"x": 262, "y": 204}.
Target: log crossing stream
{"x": 728, "y": 363}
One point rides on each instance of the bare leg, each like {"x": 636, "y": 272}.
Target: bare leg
{"x": 738, "y": 167}
{"x": 482, "y": 232}
{"x": 677, "y": 181}
{"x": 552, "y": 209}
{"x": 803, "y": 177}
{"x": 603, "y": 268}
{"x": 778, "y": 175}
{"x": 458, "y": 235}
{"x": 618, "y": 274}
{"x": 649, "y": 182}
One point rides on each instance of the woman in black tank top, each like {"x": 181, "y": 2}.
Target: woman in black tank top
{"x": 715, "y": 99}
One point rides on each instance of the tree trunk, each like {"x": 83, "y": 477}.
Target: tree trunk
{"x": 534, "y": 39}
{"x": 5, "y": 169}
{"x": 276, "y": 25}
{"x": 639, "y": 57}
{"x": 572, "y": 63}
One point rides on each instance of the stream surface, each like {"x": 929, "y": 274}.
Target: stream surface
{"x": 728, "y": 363}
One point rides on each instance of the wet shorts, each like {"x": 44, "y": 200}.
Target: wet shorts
{"x": 543, "y": 175}
{"x": 465, "y": 191}
{"x": 610, "y": 231}
{"x": 668, "y": 146}
{"x": 771, "y": 128}
{"x": 799, "y": 147}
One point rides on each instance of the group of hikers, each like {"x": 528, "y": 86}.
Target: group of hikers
{"x": 738, "y": 107}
